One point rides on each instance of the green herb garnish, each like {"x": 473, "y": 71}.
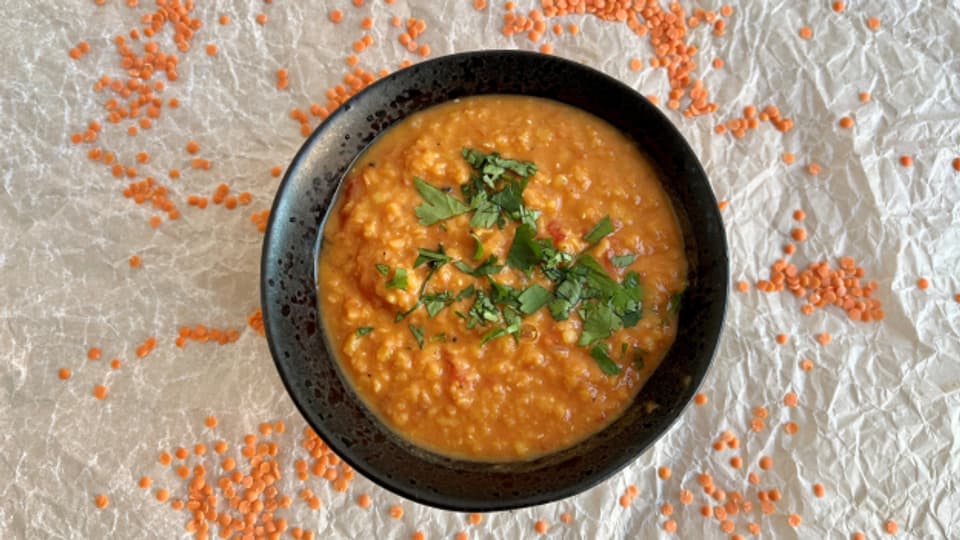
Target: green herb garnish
{"x": 399, "y": 280}
{"x": 438, "y": 204}
{"x": 533, "y": 298}
{"x": 486, "y": 268}
{"x": 436, "y": 258}
{"x": 364, "y": 330}
{"x": 623, "y": 261}
{"x": 606, "y": 364}
{"x": 382, "y": 269}
{"x": 436, "y": 302}
{"x": 599, "y": 322}
{"x": 599, "y": 231}
{"x": 524, "y": 251}
{"x": 477, "y": 247}
{"x": 417, "y": 332}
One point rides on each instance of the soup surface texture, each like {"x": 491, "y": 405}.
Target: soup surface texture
{"x": 499, "y": 276}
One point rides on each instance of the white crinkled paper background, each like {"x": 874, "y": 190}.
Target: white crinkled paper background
{"x": 879, "y": 416}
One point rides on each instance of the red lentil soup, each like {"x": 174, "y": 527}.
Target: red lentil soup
{"x": 500, "y": 275}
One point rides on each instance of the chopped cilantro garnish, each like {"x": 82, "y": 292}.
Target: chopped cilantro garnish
{"x": 438, "y": 204}
{"x": 399, "y": 280}
{"x": 493, "y": 333}
{"x": 533, "y": 298}
{"x": 382, "y": 269}
{"x": 442, "y": 336}
{"x": 417, "y": 332}
{"x": 599, "y": 231}
{"x": 436, "y": 302}
{"x": 494, "y": 194}
{"x": 483, "y": 310}
{"x": 435, "y": 259}
{"x": 477, "y": 247}
{"x": 466, "y": 292}
{"x": 486, "y": 213}
{"x": 606, "y": 364}
{"x": 486, "y": 268}
{"x": 364, "y": 330}
{"x": 599, "y": 322}
{"x": 623, "y": 261}
{"x": 524, "y": 251}
{"x": 566, "y": 295}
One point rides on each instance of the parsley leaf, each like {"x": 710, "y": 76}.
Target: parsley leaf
{"x": 623, "y": 261}
{"x": 399, "y": 280}
{"x": 604, "y": 362}
{"x": 477, "y": 247}
{"x": 486, "y": 268}
{"x": 533, "y": 298}
{"x": 435, "y": 259}
{"x": 599, "y": 231}
{"x": 438, "y": 205}
{"x": 524, "y": 251}
{"x": 436, "y": 302}
{"x": 382, "y": 269}
{"x": 364, "y": 330}
{"x": 599, "y": 322}
{"x": 417, "y": 332}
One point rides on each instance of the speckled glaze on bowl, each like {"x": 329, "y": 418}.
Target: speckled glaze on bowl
{"x": 289, "y": 284}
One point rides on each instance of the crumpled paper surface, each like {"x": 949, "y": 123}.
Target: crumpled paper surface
{"x": 879, "y": 416}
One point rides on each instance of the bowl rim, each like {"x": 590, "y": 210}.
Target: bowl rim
{"x": 439, "y": 500}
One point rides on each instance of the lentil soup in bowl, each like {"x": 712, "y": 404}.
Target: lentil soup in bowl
{"x": 485, "y": 291}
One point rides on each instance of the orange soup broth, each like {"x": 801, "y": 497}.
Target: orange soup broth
{"x": 507, "y": 399}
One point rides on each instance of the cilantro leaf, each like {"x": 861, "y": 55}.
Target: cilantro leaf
{"x": 364, "y": 330}
{"x": 524, "y": 251}
{"x": 399, "y": 280}
{"x": 599, "y": 231}
{"x": 599, "y": 322}
{"x": 533, "y": 298}
{"x": 402, "y": 314}
{"x": 566, "y": 295}
{"x": 502, "y": 294}
{"x": 486, "y": 213}
{"x": 482, "y": 311}
{"x": 633, "y": 307}
{"x": 604, "y": 362}
{"x": 486, "y": 268}
{"x": 623, "y": 261}
{"x": 441, "y": 337}
{"x": 436, "y": 302}
{"x": 510, "y": 199}
{"x": 382, "y": 269}
{"x": 438, "y": 205}
{"x": 493, "y": 333}
{"x": 417, "y": 332}
{"x": 466, "y": 292}
{"x": 477, "y": 247}
{"x": 435, "y": 259}
{"x": 474, "y": 157}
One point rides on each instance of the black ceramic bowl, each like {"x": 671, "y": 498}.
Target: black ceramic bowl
{"x": 289, "y": 284}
